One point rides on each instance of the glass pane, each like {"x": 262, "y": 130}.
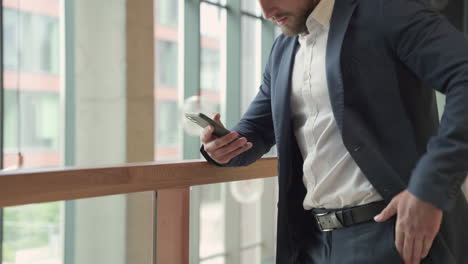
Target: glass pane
{"x": 212, "y": 87}
{"x": 32, "y": 233}
{"x": 258, "y": 216}
{"x": 212, "y": 71}
{"x": 251, "y": 255}
{"x": 167, "y": 125}
{"x": 166, "y": 12}
{"x": 166, "y": 66}
{"x": 250, "y": 228}
{"x": 212, "y": 219}
{"x": 252, "y": 7}
{"x": 251, "y": 70}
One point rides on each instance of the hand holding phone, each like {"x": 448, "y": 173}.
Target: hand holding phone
{"x": 224, "y": 147}
{"x": 204, "y": 121}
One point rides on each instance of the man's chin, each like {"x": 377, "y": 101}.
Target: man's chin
{"x": 291, "y": 32}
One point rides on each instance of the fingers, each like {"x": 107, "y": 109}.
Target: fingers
{"x": 229, "y": 156}
{"x": 417, "y": 225}
{"x": 417, "y": 250}
{"x": 387, "y": 213}
{"x": 213, "y": 145}
{"x": 207, "y": 134}
{"x": 223, "y": 149}
{"x": 399, "y": 239}
{"x": 427, "y": 245}
{"x": 230, "y": 147}
{"x": 217, "y": 119}
{"x": 408, "y": 249}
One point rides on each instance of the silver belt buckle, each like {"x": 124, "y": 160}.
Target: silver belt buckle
{"x": 329, "y": 221}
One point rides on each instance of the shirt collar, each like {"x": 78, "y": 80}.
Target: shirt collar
{"x": 321, "y": 15}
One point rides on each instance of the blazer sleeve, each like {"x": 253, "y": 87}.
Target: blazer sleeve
{"x": 256, "y": 124}
{"x": 438, "y": 54}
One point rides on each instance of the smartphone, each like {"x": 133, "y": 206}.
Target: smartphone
{"x": 204, "y": 121}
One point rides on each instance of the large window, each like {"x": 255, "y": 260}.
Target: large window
{"x": 166, "y": 66}
{"x": 31, "y": 41}
{"x": 33, "y": 233}
{"x": 168, "y": 115}
{"x": 38, "y": 126}
{"x": 37, "y": 120}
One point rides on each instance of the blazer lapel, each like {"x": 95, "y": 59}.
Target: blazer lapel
{"x": 282, "y": 115}
{"x": 341, "y": 16}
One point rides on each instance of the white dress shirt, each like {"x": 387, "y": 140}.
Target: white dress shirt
{"x": 331, "y": 176}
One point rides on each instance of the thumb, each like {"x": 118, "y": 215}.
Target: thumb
{"x": 217, "y": 119}
{"x": 387, "y": 213}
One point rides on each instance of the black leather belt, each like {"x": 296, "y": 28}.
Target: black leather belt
{"x": 336, "y": 219}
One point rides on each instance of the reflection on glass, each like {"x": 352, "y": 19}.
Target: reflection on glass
{"x": 32, "y": 233}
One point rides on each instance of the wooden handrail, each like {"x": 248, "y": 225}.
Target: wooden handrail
{"x": 46, "y": 185}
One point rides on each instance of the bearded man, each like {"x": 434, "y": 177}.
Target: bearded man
{"x": 366, "y": 172}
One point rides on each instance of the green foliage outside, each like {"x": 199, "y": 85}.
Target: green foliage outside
{"x": 28, "y": 227}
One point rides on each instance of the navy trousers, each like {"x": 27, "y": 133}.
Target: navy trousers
{"x": 365, "y": 243}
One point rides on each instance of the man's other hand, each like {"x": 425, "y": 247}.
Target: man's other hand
{"x": 416, "y": 227}
{"x": 223, "y": 149}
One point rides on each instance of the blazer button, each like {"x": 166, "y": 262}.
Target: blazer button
{"x": 357, "y": 148}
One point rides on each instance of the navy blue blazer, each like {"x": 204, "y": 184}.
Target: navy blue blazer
{"x": 383, "y": 57}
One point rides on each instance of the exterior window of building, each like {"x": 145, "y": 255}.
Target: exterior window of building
{"x": 168, "y": 127}
{"x": 212, "y": 85}
{"x": 168, "y": 116}
{"x": 250, "y": 213}
{"x": 166, "y": 68}
{"x": 210, "y": 70}
{"x": 32, "y": 233}
{"x": 167, "y": 12}
{"x": 39, "y": 120}
{"x": 36, "y": 36}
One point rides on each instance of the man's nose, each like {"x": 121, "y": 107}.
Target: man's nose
{"x": 269, "y": 11}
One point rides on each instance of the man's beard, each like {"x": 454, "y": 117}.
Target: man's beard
{"x": 294, "y": 29}
{"x": 298, "y": 26}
